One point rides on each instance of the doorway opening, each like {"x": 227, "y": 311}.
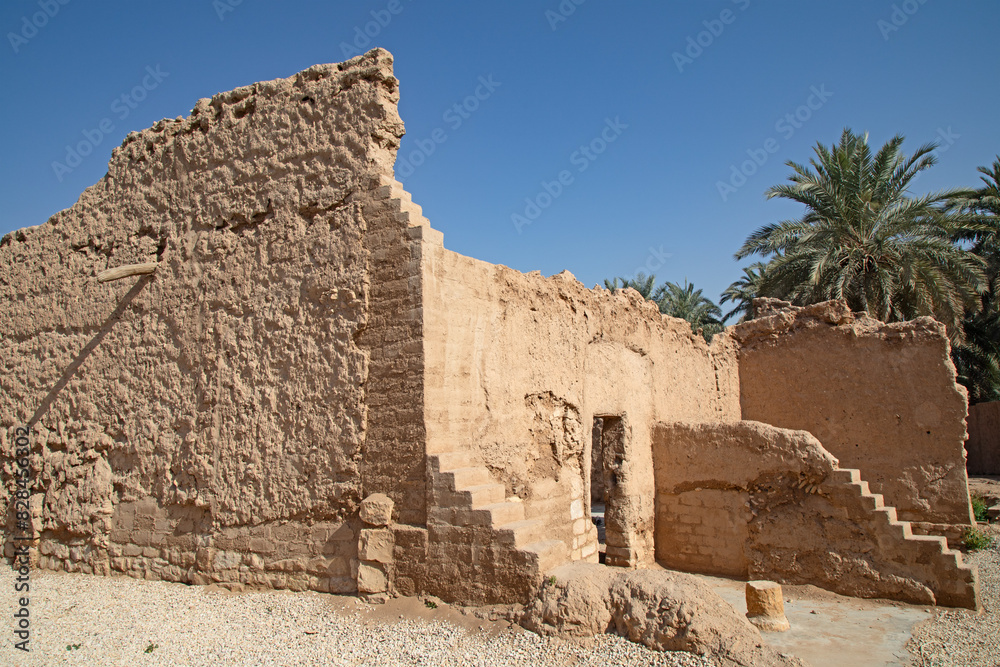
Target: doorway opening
{"x": 598, "y": 497}
{"x": 607, "y": 452}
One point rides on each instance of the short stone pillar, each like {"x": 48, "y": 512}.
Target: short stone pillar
{"x": 375, "y": 548}
{"x": 766, "y": 607}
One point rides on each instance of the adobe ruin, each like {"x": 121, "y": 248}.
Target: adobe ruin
{"x": 307, "y": 342}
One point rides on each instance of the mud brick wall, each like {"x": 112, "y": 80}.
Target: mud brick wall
{"x": 518, "y": 366}
{"x": 150, "y": 542}
{"x": 217, "y": 429}
{"x": 882, "y": 398}
{"x": 983, "y": 445}
{"x": 703, "y": 530}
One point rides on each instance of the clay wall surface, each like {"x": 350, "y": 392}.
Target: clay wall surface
{"x": 749, "y": 500}
{"x": 882, "y": 398}
{"x": 983, "y": 445}
{"x": 518, "y": 366}
{"x": 218, "y": 427}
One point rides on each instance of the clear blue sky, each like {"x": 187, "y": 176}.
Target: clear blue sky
{"x": 928, "y": 70}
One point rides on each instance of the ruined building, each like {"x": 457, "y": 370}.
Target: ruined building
{"x": 306, "y": 342}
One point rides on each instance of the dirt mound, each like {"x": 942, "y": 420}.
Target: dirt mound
{"x": 666, "y": 611}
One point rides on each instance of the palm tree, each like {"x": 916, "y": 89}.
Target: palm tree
{"x": 864, "y": 239}
{"x": 688, "y": 304}
{"x": 642, "y": 284}
{"x": 743, "y": 292}
{"x": 978, "y": 359}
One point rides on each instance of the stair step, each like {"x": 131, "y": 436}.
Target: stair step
{"x": 463, "y": 478}
{"x": 902, "y": 528}
{"x": 550, "y": 553}
{"x": 519, "y": 533}
{"x": 411, "y": 219}
{"x": 443, "y": 446}
{"x": 392, "y": 191}
{"x": 872, "y": 502}
{"x": 846, "y": 475}
{"x": 390, "y": 188}
{"x": 405, "y": 205}
{"x": 484, "y": 494}
{"x": 495, "y": 514}
{"x": 448, "y": 461}
{"x": 890, "y": 513}
{"x": 935, "y": 550}
{"x": 426, "y": 234}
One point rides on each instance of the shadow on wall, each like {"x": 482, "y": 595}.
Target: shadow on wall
{"x": 71, "y": 370}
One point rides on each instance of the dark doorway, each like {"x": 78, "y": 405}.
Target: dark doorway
{"x": 612, "y": 522}
{"x": 598, "y": 493}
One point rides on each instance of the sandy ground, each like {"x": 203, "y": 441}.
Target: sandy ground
{"x": 830, "y": 630}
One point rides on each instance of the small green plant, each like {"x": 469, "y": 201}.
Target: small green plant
{"x": 979, "y": 508}
{"x": 975, "y": 539}
{"x": 152, "y": 647}
{"x": 73, "y": 647}
{"x": 430, "y": 604}
{"x": 552, "y": 580}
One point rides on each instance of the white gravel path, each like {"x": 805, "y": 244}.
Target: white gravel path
{"x": 91, "y": 620}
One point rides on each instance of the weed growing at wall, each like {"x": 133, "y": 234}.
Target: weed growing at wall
{"x": 979, "y": 508}
{"x": 975, "y": 539}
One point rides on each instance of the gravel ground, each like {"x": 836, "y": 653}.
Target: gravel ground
{"x": 962, "y": 638}
{"x": 90, "y": 620}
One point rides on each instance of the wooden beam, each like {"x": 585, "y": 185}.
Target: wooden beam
{"x": 125, "y": 271}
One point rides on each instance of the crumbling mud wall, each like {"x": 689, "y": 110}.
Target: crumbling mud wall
{"x": 750, "y": 500}
{"x": 517, "y": 367}
{"x": 882, "y": 398}
{"x": 219, "y": 428}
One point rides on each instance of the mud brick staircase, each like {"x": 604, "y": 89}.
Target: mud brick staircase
{"x": 467, "y": 509}
{"x": 465, "y": 495}
{"x": 927, "y": 553}
{"x": 401, "y": 204}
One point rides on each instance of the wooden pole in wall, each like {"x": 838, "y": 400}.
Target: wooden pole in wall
{"x": 125, "y": 271}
